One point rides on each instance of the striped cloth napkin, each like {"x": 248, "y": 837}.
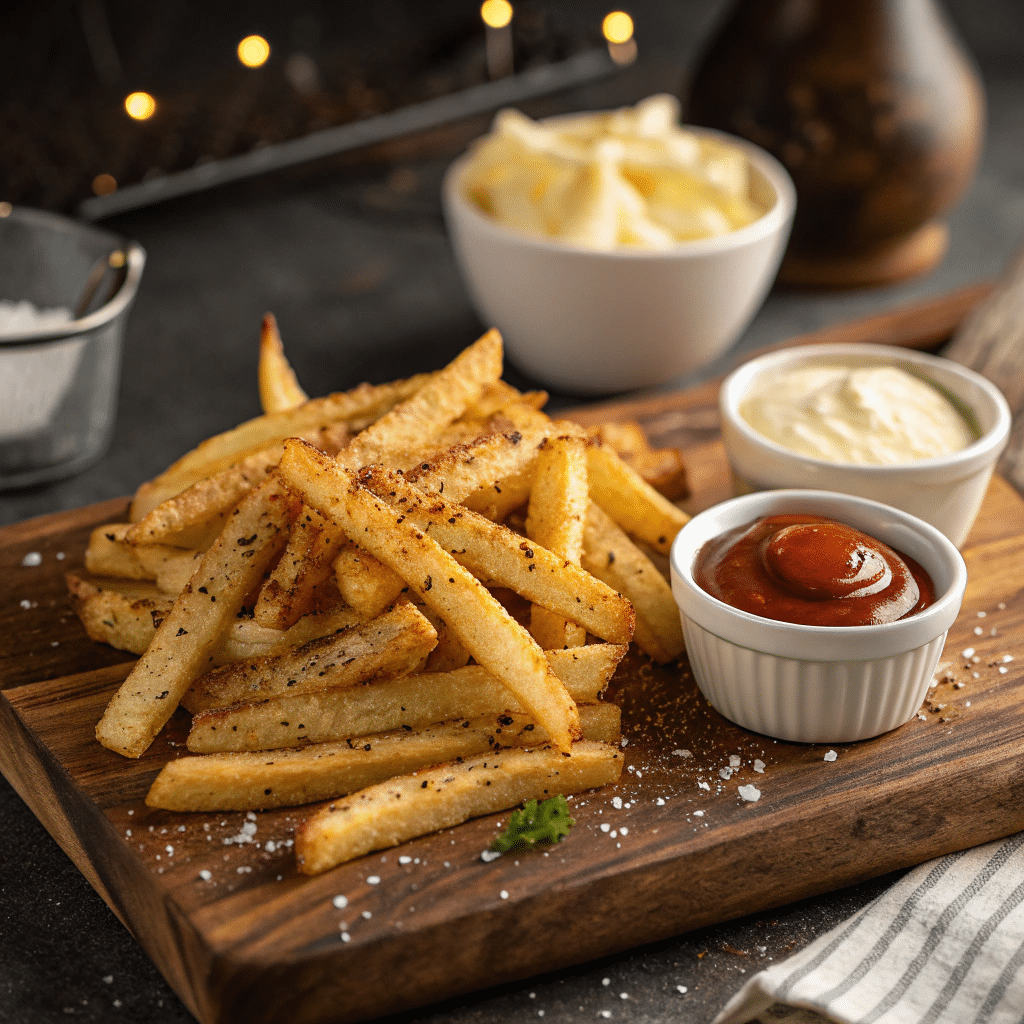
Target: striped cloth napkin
{"x": 944, "y": 945}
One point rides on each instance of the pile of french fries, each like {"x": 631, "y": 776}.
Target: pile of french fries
{"x": 402, "y": 602}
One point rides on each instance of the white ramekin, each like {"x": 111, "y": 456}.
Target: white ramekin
{"x": 946, "y": 491}
{"x": 816, "y": 684}
{"x": 589, "y": 322}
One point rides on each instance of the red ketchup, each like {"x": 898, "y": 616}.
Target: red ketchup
{"x": 812, "y": 570}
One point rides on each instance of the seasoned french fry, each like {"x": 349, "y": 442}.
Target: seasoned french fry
{"x": 558, "y": 508}
{"x": 420, "y": 418}
{"x": 110, "y": 554}
{"x": 482, "y": 625}
{"x": 366, "y": 402}
{"x": 283, "y": 778}
{"x": 393, "y": 644}
{"x": 449, "y": 654}
{"x": 303, "y": 575}
{"x": 279, "y": 388}
{"x": 186, "y": 639}
{"x": 508, "y": 559}
{"x": 636, "y": 506}
{"x": 394, "y": 812}
{"x": 412, "y": 701}
{"x": 611, "y": 556}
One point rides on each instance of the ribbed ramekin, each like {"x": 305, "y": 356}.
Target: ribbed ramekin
{"x": 816, "y": 684}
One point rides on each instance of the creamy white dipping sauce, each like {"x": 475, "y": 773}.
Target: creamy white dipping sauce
{"x": 867, "y": 415}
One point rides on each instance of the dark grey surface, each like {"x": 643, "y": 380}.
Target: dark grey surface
{"x": 356, "y": 267}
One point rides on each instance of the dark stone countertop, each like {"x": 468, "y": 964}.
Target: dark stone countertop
{"x": 356, "y": 266}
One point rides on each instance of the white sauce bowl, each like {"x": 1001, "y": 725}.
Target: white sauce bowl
{"x": 816, "y": 684}
{"x": 946, "y": 491}
{"x": 590, "y": 322}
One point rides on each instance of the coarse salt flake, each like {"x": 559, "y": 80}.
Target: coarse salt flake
{"x": 659, "y": 802}
{"x": 967, "y": 652}
{"x": 623, "y": 831}
{"x": 340, "y": 902}
{"x": 605, "y": 827}
{"x": 606, "y": 981}
{"x": 169, "y": 849}
{"x": 698, "y": 814}
{"x": 205, "y": 875}
{"x": 404, "y": 859}
{"x": 978, "y": 631}
{"x": 503, "y": 894}
{"x": 704, "y": 785}
{"x": 108, "y": 979}
{"x": 345, "y": 937}
{"x": 25, "y": 603}
{"x": 617, "y": 802}
{"x": 681, "y": 752}
{"x": 759, "y": 766}
{"x": 750, "y": 793}
{"x": 373, "y": 880}
{"x": 367, "y": 915}
{"x": 32, "y": 558}
{"x": 682, "y": 989}
{"x": 1007, "y": 657}
{"x": 734, "y": 760}
{"x": 1003, "y": 670}
{"x": 830, "y": 756}
{"x": 726, "y": 773}
{"x": 488, "y": 855}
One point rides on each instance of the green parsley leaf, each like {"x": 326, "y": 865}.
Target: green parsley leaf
{"x": 546, "y": 822}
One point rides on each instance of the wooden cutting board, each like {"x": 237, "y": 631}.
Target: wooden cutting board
{"x": 240, "y": 935}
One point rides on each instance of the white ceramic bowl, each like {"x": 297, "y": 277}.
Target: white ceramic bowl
{"x": 592, "y": 322}
{"x": 946, "y": 491}
{"x": 816, "y": 684}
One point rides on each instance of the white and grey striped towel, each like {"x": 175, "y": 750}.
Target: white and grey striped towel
{"x": 944, "y": 945}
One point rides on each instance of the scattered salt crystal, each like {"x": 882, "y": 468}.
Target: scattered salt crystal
{"x": 974, "y": 675}
{"x": 703, "y": 785}
{"x": 32, "y": 558}
{"x": 367, "y": 915}
{"x": 606, "y": 981}
{"x": 60, "y": 556}
{"x": 108, "y": 979}
{"x": 373, "y": 880}
{"x": 759, "y": 766}
{"x": 922, "y": 718}
{"x": 967, "y": 652}
{"x": 128, "y": 832}
{"x": 169, "y": 849}
{"x": 404, "y": 859}
{"x": 830, "y": 756}
{"x": 488, "y": 855}
{"x": 340, "y": 902}
{"x": 25, "y": 603}
{"x": 698, "y": 814}
{"x": 614, "y": 834}
{"x": 503, "y": 894}
{"x": 978, "y": 631}
{"x": 623, "y": 742}
{"x": 244, "y": 869}
{"x": 959, "y": 685}
{"x": 734, "y": 760}
{"x": 617, "y": 802}
{"x": 605, "y": 827}
{"x": 130, "y": 813}
{"x": 659, "y": 802}
{"x": 682, "y": 989}
{"x": 624, "y": 831}
{"x": 205, "y": 875}
{"x": 270, "y": 846}
{"x": 117, "y": 1004}
{"x": 1007, "y": 657}
{"x": 982, "y": 615}
{"x": 967, "y": 703}
{"x": 682, "y": 752}
{"x": 1001, "y": 606}
{"x": 623, "y": 995}
{"x": 726, "y": 773}
{"x": 251, "y": 817}
{"x": 345, "y": 937}
{"x": 976, "y": 659}
{"x": 1003, "y": 670}
{"x": 750, "y": 793}
{"x": 605, "y": 1013}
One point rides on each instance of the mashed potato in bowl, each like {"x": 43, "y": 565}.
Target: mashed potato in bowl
{"x": 629, "y": 178}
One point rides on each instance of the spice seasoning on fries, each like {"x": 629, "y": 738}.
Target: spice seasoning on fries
{"x": 321, "y": 588}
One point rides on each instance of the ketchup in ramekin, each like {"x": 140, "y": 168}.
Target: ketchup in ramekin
{"x": 811, "y": 570}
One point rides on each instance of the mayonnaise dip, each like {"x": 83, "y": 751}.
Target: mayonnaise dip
{"x": 630, "y": 178}
{"x": 868, "y": 415}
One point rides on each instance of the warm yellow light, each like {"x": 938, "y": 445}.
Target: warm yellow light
{"x": 140, "y": 105}
{"x": 617, "y": 27}
{"x": 253, "y": 51}
{"x": 496, "y": 13}
{"x": 104, "y": 184}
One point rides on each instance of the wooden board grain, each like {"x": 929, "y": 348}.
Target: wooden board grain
{"x": 216, "y": 900}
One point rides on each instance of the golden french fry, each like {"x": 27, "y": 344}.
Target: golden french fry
{"x": 279, "y": 388}
{"x": 611, "y": 556}
{"x": 111, "y": 554}
{"x": 302, "y": 578}
{"x": 407, "y": 702}
{"x": 419, "y": 419}
{"x": 636, "y": 506}
{"x": 364, "y": 403}
{"x": 393, "y": 644}
{"x": 662, "y": 468}
{"x": 320, "y": 771}
{"x": 449, "y": 654}
{"x": 394, "y": 812}
{"x": 187, "y": 638}
{"x": 558, "y": 508}
{"x": 364, "y": 582}
{"x": 482, "y": 625}
{"x": 508, "y": 559}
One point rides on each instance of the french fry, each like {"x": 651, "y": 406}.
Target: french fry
{"x": 483, "y": 627}
{"x": 611, "y": 556}
{"x": 508, "y": 559}
{"x": 420, "y": 418}
{"x": 302, "y": 577}
{"x": 407, "y": 702}
{"x": 186, "y": 639}
{"x": 195, "y": 515}
{"x": 284, "y": 778}
{"x": 558, "y": 508}
{"x": 279, "y": 387}
{"x": 366, "y": 402}
{"x": 394, "y": 812}
{"x": 110, "y": 554}
{"x": 636, "y": 506}
{"x": 662, "y": 468}
{"x": 449, "y": 654}
{"x": 365, "y": 583}
{"x": 393, "y": 644}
